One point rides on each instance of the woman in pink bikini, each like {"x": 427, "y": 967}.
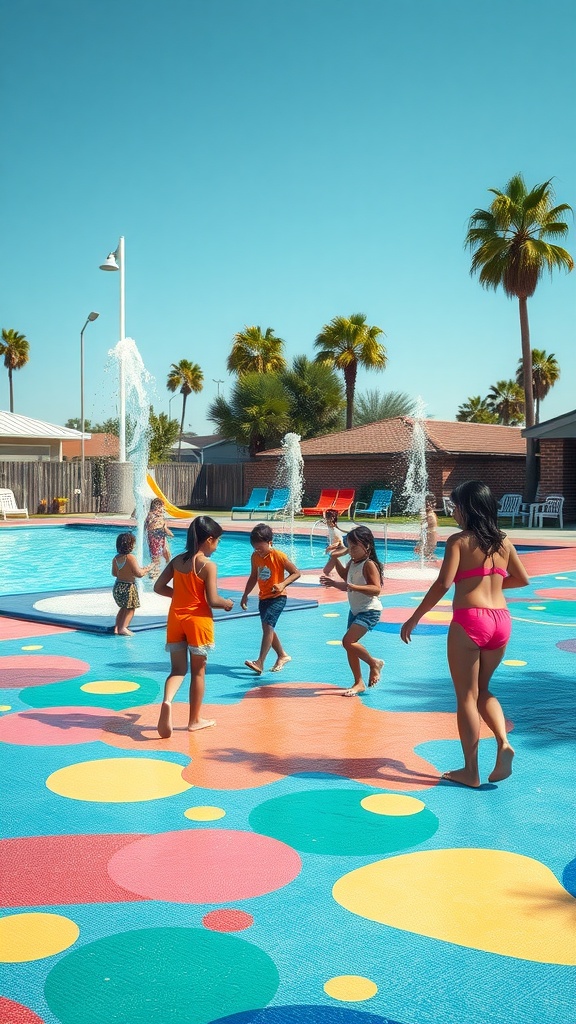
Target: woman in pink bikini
{"x": 481, "y": 563}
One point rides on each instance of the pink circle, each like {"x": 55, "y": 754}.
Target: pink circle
{"x": 560, "y": 593}
{"x": 204, "y": 866}
{"x": 54, "y": 727}
{"x": 227, "y": 920}
{"x": 16, "y": 1013}
{"x": 20, "y": 670}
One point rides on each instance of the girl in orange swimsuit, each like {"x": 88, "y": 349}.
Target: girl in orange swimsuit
{"x": 190, "y": 626}
{"x": 481, "y": 563}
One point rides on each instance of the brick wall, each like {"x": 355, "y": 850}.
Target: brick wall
{"x": 558, "y": 471}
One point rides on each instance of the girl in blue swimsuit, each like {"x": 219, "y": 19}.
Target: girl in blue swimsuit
{"x": 481, "y": 563}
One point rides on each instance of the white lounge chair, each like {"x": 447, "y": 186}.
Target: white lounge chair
{"x": 551, "y": 508}
{"x": 509, "y": 507}
{"x": 8, "y": 506}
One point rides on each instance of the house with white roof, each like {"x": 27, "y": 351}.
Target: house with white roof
{"x": 23, "y": 439}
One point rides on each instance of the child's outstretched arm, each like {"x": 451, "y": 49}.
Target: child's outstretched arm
{"x": 250, "y": 584}
{"x": 138, "y": 570}
{"x": 340, "y": 584}
{"x": 215, "y": 600}
{"x": 161, "y": 585}
{"x": 436, "y": 592}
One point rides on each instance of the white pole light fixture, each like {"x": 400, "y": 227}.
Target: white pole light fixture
{"x": 116, "y": 261}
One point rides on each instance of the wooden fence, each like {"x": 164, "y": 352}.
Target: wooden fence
{"x": 186, "y": 485}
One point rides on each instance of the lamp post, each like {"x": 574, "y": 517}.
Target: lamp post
{"x": 89, "y": 319}
{"x": 115, "y": 261}
{"x": 217, "y": 383}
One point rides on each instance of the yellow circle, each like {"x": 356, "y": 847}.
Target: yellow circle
{"x": 513, "y": 661}
{"x": 350, "y": 988}
{"x": 204, "y": 813}
{"x": 33, "y": 936}
{"x": 118, "y": 780}
{"x": 32, "y": 647}
{"x": 561, "y": 577}
{"x": 5, "y": 707}
{"x": 110, "y": 686}
{"x": 536, "y": 607}
{"x": 392, "y": 804}
{"x": 438, "y": 617}
{"x": 331, "y": 615}
{"x": 334, "y": 643}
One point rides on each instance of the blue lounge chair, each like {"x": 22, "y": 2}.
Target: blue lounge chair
{"x": 258, "y": 497}
{"x": 276, "y": 505}
{"x": 379, "y": 505}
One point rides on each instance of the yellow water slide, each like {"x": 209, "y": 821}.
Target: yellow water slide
{"x": 172, "y": 510}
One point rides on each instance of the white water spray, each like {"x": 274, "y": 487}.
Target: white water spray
{"x": 290, "y": 474}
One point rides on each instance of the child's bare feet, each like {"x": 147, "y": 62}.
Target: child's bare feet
{"x": 202, "y": 723}
{"x": 375, "y": 672}
{"x": 503, "y": 767}
{"x": 280, "y": 663}
{"x": 125, "y": 632}
{"x": 165, "y": 721}
{"x": 463, "y": 777}
{"x": 355, "y": 690}
{"x": 255, "y": 666}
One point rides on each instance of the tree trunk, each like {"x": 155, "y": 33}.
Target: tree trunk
{"x": 350, "y": 372}
{"x": 531, "y": 479}
{"x": 11, "y": 389}
{"x": 184, "y": 397}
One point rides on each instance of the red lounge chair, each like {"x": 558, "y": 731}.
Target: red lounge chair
{"x": 326, "y": 500}
{"x": 344, "y": 502}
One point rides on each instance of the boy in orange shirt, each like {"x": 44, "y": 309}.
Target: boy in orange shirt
{"x": 273, "y": 571}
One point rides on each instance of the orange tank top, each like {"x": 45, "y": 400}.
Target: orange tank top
{"x": 190, "y": 608}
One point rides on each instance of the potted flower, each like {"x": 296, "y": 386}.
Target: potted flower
{"x": 59, "y": 504}
{"x": 42, "y": 507}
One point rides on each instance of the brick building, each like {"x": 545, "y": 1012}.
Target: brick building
{"x": 557, "y": 440}
{"x": 376, "y": 456}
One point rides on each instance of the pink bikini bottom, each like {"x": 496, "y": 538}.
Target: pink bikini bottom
{"x": 489, "y": 628}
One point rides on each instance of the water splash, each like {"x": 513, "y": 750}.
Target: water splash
{"x": 290, "y": 474}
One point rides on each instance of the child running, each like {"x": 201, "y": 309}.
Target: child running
{"x": 481, "y": 562}
{"x": 362, "y": 579}
{"x": 190, "y": 625}
{"x": 125, "y": 592}
{"x": 157, "y": 531}
{"x": 273, "y": 571}
{"x": 336, "y": 545}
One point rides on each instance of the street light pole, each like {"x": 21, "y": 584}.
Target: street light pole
{"x": 217, "y": 383}
{"x": 89, "y": 319}
{"x": 116, "y": 261}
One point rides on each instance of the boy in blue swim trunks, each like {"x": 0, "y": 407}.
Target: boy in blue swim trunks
{"x": 273, "y": 571}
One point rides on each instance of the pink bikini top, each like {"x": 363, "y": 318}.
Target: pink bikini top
{"x": 480, "y": 570}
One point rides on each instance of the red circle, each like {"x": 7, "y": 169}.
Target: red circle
{"x": 16, "y": 1013}
{"x": 227, "y": 920}
{"x": 20, "y": 670}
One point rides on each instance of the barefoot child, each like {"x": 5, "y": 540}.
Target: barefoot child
{"x": 428, "y": 529}
{"x": 273, "y": 571}
{"x": 362, "y": 580}
{"x": 157, "y": 531}
{"x": 336, "y": 545}
{"x": 481, "y": 563}
{"x": 125, "y": 593}
{"x": 190, "y": 625}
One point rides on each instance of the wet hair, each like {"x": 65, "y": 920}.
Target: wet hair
{"x": 430, "y": 499}
{"x": 479, "y": 509}
{"x": 261, "y": 532}
{"x": 125, "y": 543}
{"x": 156, "y": 503}
{"x": 200, "y": 529}
{"x": 331, "y": 516}
{"x": 362, "y": 535}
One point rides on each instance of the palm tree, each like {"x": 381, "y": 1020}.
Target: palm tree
{"x": 162, "y": 434}
{"x": 545, "y": 373}
{"x": 373, "y": 406}
{"x": 254, "y": 352}
{"x": 316, "y": 397}
{"x": 476, "y": 410}
{"x": 347, "y": 343}
{"x": 15, "y": 348}
{"x": 257, "y": 413}
{"x": 185, "y": 377}
{"x": 506, "y": 398}
{"x": 512, "y": 247}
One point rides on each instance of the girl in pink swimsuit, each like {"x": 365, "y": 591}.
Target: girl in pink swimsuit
{"x": 481, "y": 563}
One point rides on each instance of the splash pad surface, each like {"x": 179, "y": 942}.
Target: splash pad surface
{"x": 314, "y": 849}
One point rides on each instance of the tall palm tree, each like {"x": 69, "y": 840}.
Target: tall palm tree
{"x": 373, "y": 406}
{"x": 254, "y": 352}
{"x": 347, "y": 343}
{"x": 476, "y": 410}
{"x": 316, "y": 397}
{"x": 506, "y": 398}
{"x": 185, "y": 377}
{"x": 545, "y": 373}
{"x": 513, "y": 244}
{"x": 257, "y": 413}
{"x": 15, "y": 348}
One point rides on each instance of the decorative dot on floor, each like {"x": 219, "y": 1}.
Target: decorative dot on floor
{"x": 227, "y": 920}
{"x": 515, "y": 662}
{"x": 331, "y": 615}
{"x": 118, "y": 780}
{"x": 350, "y": 988}
{"x": 536, "y": 607}
{"x": 561, "y": 577}
{"x": 204, "y": 813}
{"x": 5, "y": 707}
{"x": 392, "y": 803}
{"x": 334, "y": 643}
{"x": 32, "y": 647}
{"x": 110, "y": 686}
{"x": 34, "y": 936}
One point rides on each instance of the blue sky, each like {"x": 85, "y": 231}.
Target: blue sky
{"x": 275, "y": 162}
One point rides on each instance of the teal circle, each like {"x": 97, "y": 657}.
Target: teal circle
{"x": 334, "y": 822}
{"x": 562, "y": 609}
{"x": 68, "y": 694}
{"x": 175, "y": 975}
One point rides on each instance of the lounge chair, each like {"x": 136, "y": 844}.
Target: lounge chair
{"x": 447, "y": 506}
{"x": 379, "y": 505}
{"x": 509, "y": 507}
{"x": 344, "y": 502}
{"x": 325, "y": 501}
{"x": 8, "y": 506}
{"x": 257, "y": 498}
{"x": 276, "y": 505}
{"x": 551, "y": 508}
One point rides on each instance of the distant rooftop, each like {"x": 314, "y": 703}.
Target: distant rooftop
{"x": 14, "y": 425}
